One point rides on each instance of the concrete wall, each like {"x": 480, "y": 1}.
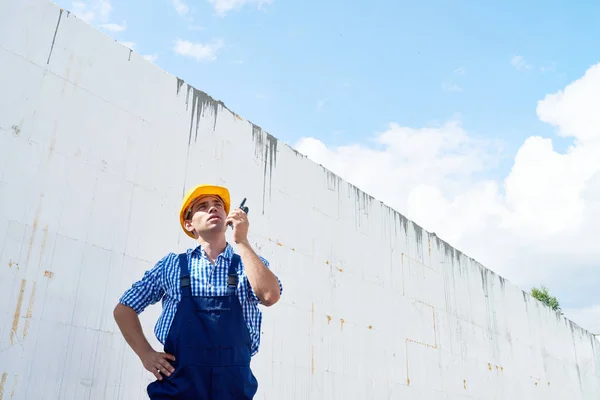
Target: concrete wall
{"x": 97, "y": 147}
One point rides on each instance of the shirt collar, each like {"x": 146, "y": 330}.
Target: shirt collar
{"x": 227, "y": 253}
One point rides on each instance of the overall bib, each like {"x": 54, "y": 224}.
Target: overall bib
{"x": 211, "y": 344}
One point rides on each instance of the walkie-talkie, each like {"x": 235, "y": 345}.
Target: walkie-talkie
{"x": 244, "y": 209}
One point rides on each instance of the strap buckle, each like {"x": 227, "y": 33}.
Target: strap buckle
{"x": 232, "y": 280}
{"x": 184, "y": 281}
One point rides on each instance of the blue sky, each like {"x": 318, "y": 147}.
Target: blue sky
{"x": 308, "y": 68}
{"x": 330, "y": 78}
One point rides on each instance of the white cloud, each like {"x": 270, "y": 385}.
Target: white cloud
{"x": 93, "y": 10}
{"x": 460, "y": 71}
{"x": 151, "y": 57}
{"x": 130, "y": 45}
{"x": 519, "y": 63}
{"x": 181, "y": 7}
{"x": 438, "y": 156}
{"x": 198, "y": 51}
{"x": 222, "y": 7}
{"x": 112, "y": 27}
{"x": 536, "y": 226}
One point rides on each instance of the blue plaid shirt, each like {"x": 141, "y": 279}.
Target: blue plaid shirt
{"x": 162, "y": 282}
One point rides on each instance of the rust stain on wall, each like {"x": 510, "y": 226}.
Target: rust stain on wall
{"x": 338, "y": 268}
{"x": 53, "y": 139}
{"x": 328, "y": 319}
{"x": 312, "y": 367}
{"x": 278, "y": 243}
{"x": 29, "y": 310}
{"x": 342, "y": 323}
{"x": 49, "y": 274}
{"x": 421, "y": 343}
{"x": 2, "y": 382}
{"x": 370, "y": 326}
{"x": 15, "y": 323}
{"x": 35, "y": 223}
{"x": 429, "y": 247}
{"x": 406, "y": 354}
{"x": 434, "y": 346}
{"x": 489, "y": 366}
{"x": 44, "y": 238}
{"x": 406, "y": 341}
{"x": 12, "y": 392}
{"x": 465, "y": 383}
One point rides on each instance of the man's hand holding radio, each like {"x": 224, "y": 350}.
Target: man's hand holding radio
{"x": 239, "y": 220}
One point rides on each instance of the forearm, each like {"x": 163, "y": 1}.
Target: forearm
{"x": 131, "y": 328}
{"x": 264, "y": 283}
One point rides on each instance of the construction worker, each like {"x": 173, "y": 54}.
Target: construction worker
{"x": 210, "y": 323}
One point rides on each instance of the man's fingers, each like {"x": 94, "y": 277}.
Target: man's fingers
{"x": 167, "y": 367}
{"x": 157, "y": 375}
{"x": 169, "y": 356}
{"x": 235, "y": 217}
{"x": 163, "y": 370}
{"x": 239, "y": 213}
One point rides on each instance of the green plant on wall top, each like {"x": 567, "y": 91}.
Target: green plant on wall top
{"x": 544, "y": 296}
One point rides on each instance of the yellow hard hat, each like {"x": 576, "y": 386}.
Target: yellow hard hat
{"x": 202, "y": 190}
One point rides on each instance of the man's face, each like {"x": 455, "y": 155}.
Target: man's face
{"x": 207, "y": 215}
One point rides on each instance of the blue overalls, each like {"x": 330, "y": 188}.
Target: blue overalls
{"x": 211, "y": 344}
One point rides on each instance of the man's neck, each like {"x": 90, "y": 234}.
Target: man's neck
{"x": 213, "y": 246}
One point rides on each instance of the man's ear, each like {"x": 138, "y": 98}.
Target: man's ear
{"x": 188, "y": 225}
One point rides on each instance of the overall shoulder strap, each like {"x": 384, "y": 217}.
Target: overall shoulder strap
{"x": 184, "y": 275}
{"x": 232, "y": 276}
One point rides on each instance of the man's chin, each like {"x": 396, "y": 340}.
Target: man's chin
{"x": 214, "y": 229}
{"x": 216, "y": 226}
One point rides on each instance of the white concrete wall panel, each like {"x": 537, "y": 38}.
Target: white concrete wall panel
{"x": 97, "y": 147}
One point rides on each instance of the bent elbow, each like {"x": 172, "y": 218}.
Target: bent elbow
{"x": 117, "y": 311}
{"x": 270, "y": 299}
{"x": 121, "y": 311}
